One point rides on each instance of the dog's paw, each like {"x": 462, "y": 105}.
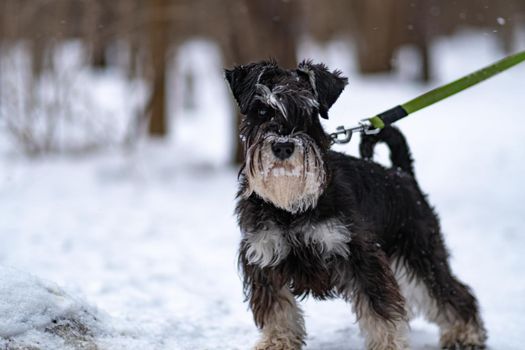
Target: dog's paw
{"x": 464, "y": 337}
{"x": 278, "y": 343}
{"x": 458, "y": 346}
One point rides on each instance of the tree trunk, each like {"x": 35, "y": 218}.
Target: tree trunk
{"x": 258, "y": 30}
{"x": 159, "y": 42}
{"x": 375, "y": 34}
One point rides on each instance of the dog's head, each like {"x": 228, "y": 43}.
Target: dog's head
{"x": 283, "y": 139}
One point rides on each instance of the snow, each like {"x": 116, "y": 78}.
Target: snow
{"x": 149, "y": 236}
{"x": 35, "y": 304}
{"x": 30, "y": 308}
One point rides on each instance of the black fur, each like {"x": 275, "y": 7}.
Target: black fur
{"x": 328, "y": 86}
{"x": 386, "y": 213}
{"x": 242, "y": 82}
{"x": 396, "y": 142}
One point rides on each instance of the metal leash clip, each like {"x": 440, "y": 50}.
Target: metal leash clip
{"x": 364, "y": 126}
{"x": 340, "y": 130}
{"x": 368, "y": 128}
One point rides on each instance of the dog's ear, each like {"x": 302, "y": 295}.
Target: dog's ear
{"x": 242, "y": 80}
{"x": 326, "y": 85}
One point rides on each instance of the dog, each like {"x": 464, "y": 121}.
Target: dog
{"x": 320, "y": 223}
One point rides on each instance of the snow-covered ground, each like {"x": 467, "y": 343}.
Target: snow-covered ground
{"x": 148, "y": 238}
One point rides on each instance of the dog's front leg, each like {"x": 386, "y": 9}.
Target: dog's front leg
{"x": 376, "y": 297}
{"x": 280, "y": 319}
{"x": 275, "y": 311}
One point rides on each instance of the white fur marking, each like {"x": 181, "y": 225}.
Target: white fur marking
{"x": 270, "y": 98}
{"x": 266, "y": 248}
{"x": 418, "y": 300}
{"x": 331, "y": 237}
{"x": 274, "y": 97}
{"x": 311, "y": 76}
{"x": 263, "y": 70}
{"x": 270, "y": 247}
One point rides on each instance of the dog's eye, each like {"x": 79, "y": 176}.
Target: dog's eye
{"x": 263, "y": 112}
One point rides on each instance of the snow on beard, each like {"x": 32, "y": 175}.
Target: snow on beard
{"x": 293, "y": 184}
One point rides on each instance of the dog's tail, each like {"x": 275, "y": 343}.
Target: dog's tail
{"x": 396, "y": 142}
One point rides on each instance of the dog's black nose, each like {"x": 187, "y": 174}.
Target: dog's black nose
{"x": 283, "y": 150}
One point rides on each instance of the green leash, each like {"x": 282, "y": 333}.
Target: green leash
{"x": 376, "y": 123}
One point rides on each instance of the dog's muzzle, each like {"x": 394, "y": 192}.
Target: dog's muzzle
{"x": 287, "y": 171}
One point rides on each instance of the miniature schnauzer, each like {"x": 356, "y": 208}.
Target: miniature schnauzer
{"x": 321, "y": 223}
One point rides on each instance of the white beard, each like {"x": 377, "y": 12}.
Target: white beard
{"x": 293, "y": 184}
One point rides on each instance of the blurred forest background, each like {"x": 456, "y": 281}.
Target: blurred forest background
{"x": 118, "y": 144}
{"x": 142, "y": 37}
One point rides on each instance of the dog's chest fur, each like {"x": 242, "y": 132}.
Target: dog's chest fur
{"x": 304, "y": 254}
{"x": 273, "y": 244}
